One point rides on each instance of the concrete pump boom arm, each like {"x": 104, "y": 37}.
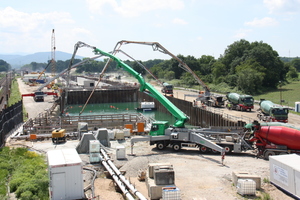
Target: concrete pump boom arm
{"x": 180, "y": 117}
{"x": 158, "y": 47}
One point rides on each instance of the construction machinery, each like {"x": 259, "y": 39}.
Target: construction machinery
{"x": 274, "y": 138}
{"x": 43, "y": 72}
{"x": 59, "y": 136}
{"x": 267, "y": 138}
{"x": 39, "y": 95}
{"x": 204, "y": 96}
{"x": 161, "y": 133}
{"x": 270, "y": 112}
{"x": 239, "y": 102}
{"x": 167, "y": 88}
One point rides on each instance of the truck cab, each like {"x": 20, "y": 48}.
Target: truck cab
{"x": 39, "y": 96}
{"x": 158, "y": 128}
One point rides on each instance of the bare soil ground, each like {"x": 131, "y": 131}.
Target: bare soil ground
{"x": 198, "y": 176}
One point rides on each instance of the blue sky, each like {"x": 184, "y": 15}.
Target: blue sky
{"x": 186, "y": 27}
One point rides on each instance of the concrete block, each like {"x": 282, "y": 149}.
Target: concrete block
{"x": 246, "y": 175}
{"x": 164, "y": 176}
{"x": 152, "y": 165}
{"x": 155, "y": 191}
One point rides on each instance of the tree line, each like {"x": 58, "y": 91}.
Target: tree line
{"x": 249, "y": 67}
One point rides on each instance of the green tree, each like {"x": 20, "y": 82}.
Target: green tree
{"x": 292, "y": 73}
{"x": 157, "y": 71}
{"x": 187, "y": 79}
{"x": 219, "y": 72}
{"x": 169, "y": 75}
{"x": 268, "y": 63}
{"x": 296, "y": 63}
{"x": 4, "y": 66}
{"x": 250, "y": 75}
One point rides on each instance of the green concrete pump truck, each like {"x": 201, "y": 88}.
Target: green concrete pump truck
{"x": 161, "y": 133}
{"x": 239, "y": 102}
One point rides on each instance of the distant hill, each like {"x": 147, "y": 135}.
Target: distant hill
{"x": 17, "y": 61}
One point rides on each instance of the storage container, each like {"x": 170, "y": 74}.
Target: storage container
{"x": 285, "y": 172}
{"x": 94, "y": 146}
{"x": 129, "y": 126}
{"x": 151, "y": 167}
{"x": 111, "y": 134}
{"x": 126, "y": 132}
{"x": 119, "y": 134}
{"x": 94, "y": 157}
{"x": 140, "y": 127}
{"x": 32, "y": 137}
{"x": 120, "y": 152}
{"x": 170, "y": 193}
{"x": 65, "y": 174}
{"x": 246, "y": 187}
{"x": 164, "y": 176}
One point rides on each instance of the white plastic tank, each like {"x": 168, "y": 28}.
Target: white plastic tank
{"x": 119, "y": 134}
{"x": 120, "y": 152}
{"x": 297, "y": 106}
{"x": 94, "y": 157}
{"x": 126, "y": 132}
{"x": 111, "y": 134}
{"x": 94, "y": 146}
{"x": 246, "y": 187}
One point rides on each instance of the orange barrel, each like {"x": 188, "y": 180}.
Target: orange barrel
{"x": 140, "y": 127}
{"x": 32, "y": 136}
{"x": 129, "y": 126}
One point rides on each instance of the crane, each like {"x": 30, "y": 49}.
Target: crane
{"x": 53, "y": 48}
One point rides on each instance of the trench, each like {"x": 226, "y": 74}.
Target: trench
{"x": 198, "y": 116}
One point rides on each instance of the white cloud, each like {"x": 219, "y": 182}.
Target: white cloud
{"x": 15, "y": 21}
{"x": 31, "y": 32}
{"x": 133, "y": 8}
{"x": 264, "y": 22}
{"x": 283, "y": 6}
{"x": 199, "y": 38}
{"x": 242, "y": 33}
{"x": 179, "y": 21}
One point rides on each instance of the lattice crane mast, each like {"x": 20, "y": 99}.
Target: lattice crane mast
{"x": 53, "y": 48}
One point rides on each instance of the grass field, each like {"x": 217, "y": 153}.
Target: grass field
{"x": 289, "y": 93}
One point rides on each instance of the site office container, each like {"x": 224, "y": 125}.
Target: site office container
{"x": 285, "y": 173}
{"x": 65, "y": 174}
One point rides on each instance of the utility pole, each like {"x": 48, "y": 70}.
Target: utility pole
{"x": 280, "y": 92}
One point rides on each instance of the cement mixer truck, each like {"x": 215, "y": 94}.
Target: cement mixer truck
{"x": 239, "y": 102}
{"x": 270, "y": 112}
{"x": 274, "y": 138}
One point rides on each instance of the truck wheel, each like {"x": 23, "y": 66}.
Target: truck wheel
{"x": 267, "y": 154}
{"x": 160, "y": 145}
{"x": 176, "y": 147}
{"x": 228, "y": 149}
{"x": 203, "y": 149}
{"x": 283, "y": 153}
{"x": 214, "y": 151}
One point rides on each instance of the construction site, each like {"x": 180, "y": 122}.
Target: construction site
{"x": 204, "y": 154}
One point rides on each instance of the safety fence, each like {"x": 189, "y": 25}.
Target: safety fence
{"x": 199, "y": 116}
{"x": 10, "y": 118}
